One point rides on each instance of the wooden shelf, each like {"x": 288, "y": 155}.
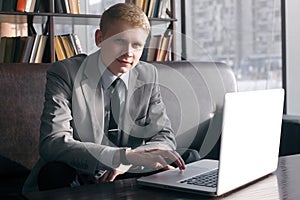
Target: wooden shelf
{"x": 91, "y": 19}
{"x": 62, "y": 18}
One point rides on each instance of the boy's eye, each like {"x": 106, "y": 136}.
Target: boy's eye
{"x": 137, "y": 46}
{"x": 120, "y": 41}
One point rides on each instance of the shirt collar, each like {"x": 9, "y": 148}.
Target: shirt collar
{"x": 108, "y": 77}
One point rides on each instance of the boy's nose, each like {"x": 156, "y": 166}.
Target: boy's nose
{"x": 128, "y": 50}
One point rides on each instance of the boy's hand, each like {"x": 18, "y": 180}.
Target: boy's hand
{"x": 155, "y": 158}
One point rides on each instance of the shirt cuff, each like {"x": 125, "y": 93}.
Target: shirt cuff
{"x": 107, "y": 159}
{"x": 123, "y": 168}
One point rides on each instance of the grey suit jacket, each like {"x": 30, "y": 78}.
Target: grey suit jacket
{"x": 73, "y": 117}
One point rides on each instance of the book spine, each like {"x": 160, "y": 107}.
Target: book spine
{"x": 21, "y": 4}
{"x": 2, "y": 49}
{"x": 59, "y": 51}
{"x": 9, "y": 5}
{"x": 78, "y": 44}
{"x": 74, "y": 6}
{"x": 17, "y": 49}
{"x": 72, "y": 40}
{"x": 34, "y": 48}
{"x": 59, "y": 6}
{"x": 41, "y": 48}
{"x": 27, "y": 49}
{"x": 67, "y": 46}
{"x": 32, "y": 6}
{"x": 67, "y": 5}
{"x": 28, "y": 5}
{"x": 43, "y": 5}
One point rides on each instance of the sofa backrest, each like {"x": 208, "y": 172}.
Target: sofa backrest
{"x": 21, "y": 102}
{"x": 192, "y": 92}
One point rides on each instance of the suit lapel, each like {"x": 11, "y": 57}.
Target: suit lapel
{"x": 128, "y": 123}
{"x": 93, "y": 95}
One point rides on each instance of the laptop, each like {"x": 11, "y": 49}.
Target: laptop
{"x": 249, "y": 149}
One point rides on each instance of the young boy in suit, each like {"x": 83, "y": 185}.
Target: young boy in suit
{"x": 89, "y": 134}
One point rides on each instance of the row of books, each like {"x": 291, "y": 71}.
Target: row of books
{"x": 67, "y": 6}
{"x": 61, "y": 6}
{"x": 158, "y": 48}
{"x": 24, "y": 5}
{"x": 152, "y": 8}
{"x": 36, "y": 48}
{"x": 29, "y": 49}
{"x": 67, "y": 46}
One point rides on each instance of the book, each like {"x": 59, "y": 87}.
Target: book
{"x": 30, "y": 5}
{"x": 40, "y": 49}
{"x": 150, "y": 8}
{"x": 66, "y": 6}
{"x": 37, "y": 5}
{"x": 74, "y": 6}
{"x": 9, "y": 50}
{"x": 34, "y": 48}
{"x": 47, "y": 52}
{"x": 67, "y": 46}
{"x": 154, "y": 45}
{"x": 2, "y": 49}
{"x": 43, "y": 6}
{"x": 59, "y": 50}
{"x": 27, "y": 49}
{"x": 156, "y": 7}
{"x": 21, "y": 4}
{"x": 139, "y": 3}
{"x": 20, "y": 42}
{"x": 165, "y": 48}
{"x": 146, "y": 6}
{"x": 73, "y": 43}
{"x": 9, "y": 5}
{"x": 59, "y": 8}
{"x": 146, "y": 49}
{"x": 77, "y": 42}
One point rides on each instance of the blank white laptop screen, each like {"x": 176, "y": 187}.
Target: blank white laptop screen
{"x": 250, "y": 139}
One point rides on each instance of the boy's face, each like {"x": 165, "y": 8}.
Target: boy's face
{"x": 121, "y": 46}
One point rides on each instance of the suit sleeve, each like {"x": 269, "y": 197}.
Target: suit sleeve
{"x": 57, "y": 139}
{"x": 156, "y": 118}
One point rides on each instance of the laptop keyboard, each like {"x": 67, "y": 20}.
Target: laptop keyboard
{"x": 208, "y": 179}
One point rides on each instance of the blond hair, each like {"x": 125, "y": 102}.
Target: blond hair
{"x": 127, "y": 12}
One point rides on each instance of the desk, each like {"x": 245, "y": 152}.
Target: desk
{"x": 283, "y": 184}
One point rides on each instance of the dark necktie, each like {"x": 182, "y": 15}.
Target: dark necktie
{"x": 114, "y": 133}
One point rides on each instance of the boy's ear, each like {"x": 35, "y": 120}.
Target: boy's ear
{"x": 98, "y": 37}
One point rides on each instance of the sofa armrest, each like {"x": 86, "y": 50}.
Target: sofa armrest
{"x": 290, "y": 135}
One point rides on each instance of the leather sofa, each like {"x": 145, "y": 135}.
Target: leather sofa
{"x": 192, "y": 91}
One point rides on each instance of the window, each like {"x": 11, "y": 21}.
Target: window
{"x": 245, "y": 34}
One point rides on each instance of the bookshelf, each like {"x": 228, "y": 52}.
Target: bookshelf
{"x": 49, "y": 19}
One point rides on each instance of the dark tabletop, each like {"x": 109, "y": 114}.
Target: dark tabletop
{"x": 283, "y": 184}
